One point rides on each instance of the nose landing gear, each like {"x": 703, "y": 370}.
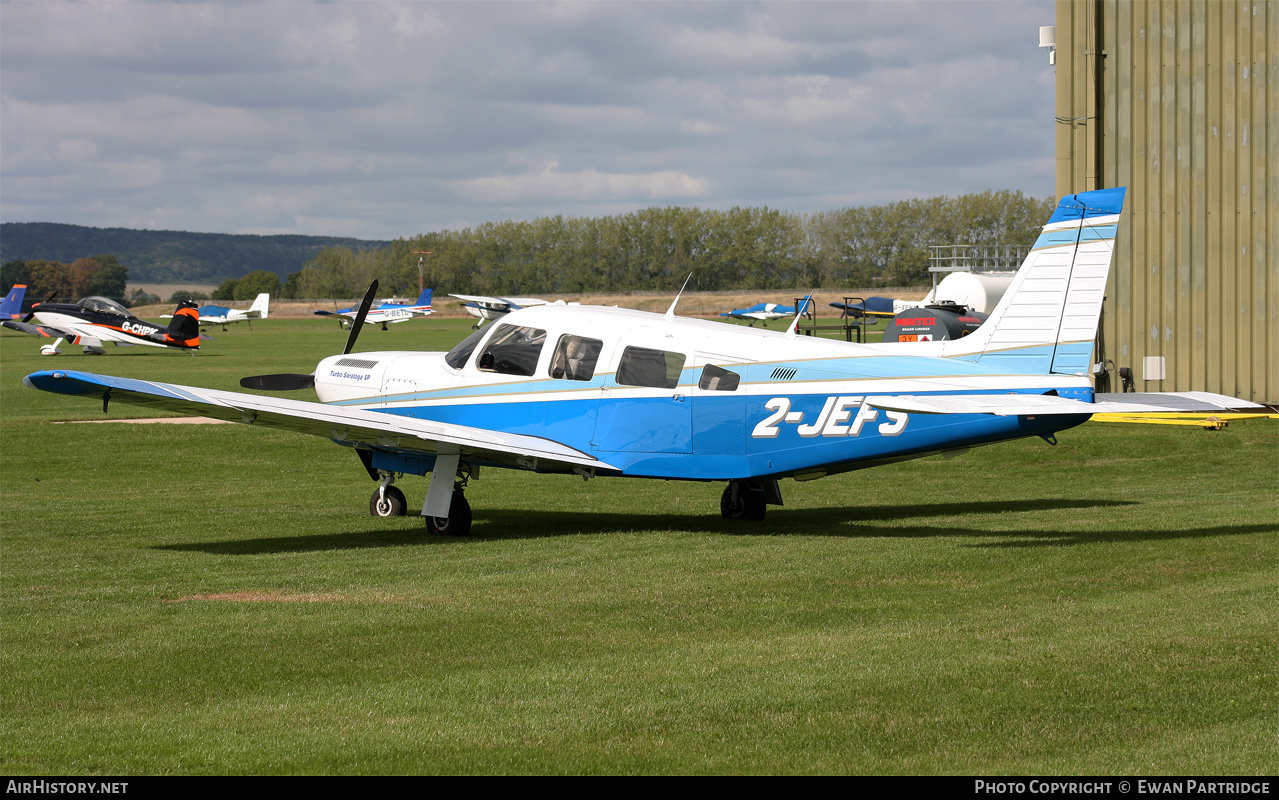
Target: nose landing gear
{"x": 388, "y": 501}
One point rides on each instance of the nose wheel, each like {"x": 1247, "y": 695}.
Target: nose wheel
{"x": 388, "y": 501}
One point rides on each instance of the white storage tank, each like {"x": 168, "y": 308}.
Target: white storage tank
{"x": 979, "y": 291}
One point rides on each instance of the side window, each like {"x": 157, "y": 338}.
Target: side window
{"x": 718, "y": 379}
{"x": 643, "y": 367}
{"x": 575, "y": 358}
{"x": 456, "y": 358}
{"x": 512, "y": 350}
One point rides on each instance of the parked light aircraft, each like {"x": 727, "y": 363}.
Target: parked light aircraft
{"x": 11, "y": 306}
{"x": 485, "y": 308}
{"x": 221, "y": 315}
{"x": 93, "y": 321}
{"x": 765, "y": 311}
{"x": 616, "y": 392}
{"x": 874, "y": 307}
{"x": 386, "y": 313}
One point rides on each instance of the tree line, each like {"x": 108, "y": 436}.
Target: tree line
{"x": 102, "y": 275}
{"x": 658, "y": 248}
{"x": 168, "y": 256}
{"x": 650, "y": 249}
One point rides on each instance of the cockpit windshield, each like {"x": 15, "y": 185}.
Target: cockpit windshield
{"x": 512, "y": 350}
{"x": 456, "y": 358}
{"x": 103, "y": 305}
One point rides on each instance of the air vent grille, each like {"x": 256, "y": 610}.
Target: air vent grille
{"x": 783, "y": 373}
{"x": 358, "y": 363}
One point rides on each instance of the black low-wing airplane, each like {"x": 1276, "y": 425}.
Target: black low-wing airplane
{"x": 95, "y": 320}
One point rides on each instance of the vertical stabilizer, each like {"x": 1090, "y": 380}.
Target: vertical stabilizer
{"x": 262, "y": 305}
{"x": 1047, "y": 319}
{"x": 11, "y": 306}
{"x": 185, "y": 327}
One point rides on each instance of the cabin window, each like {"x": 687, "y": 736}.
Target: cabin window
{"x": 641, "y": 366}
{"x": 457, "y": 357}
{"x": 575, "y": 358}
{"x": 718, "y": 379}
{"x": 512, "y": 350}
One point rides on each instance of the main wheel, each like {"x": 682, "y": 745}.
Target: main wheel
{"x": 748, "y": 503}
{"x": 391, "y": 503}
{"x": 458, "y": 522}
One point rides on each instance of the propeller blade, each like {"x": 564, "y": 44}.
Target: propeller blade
{"x": 359, "y": 317}
{"x": 32, "y": 313}
{"x": 283, "y": 382}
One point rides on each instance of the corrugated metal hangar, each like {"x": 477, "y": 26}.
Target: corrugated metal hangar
{"x": 1179, "y": 101}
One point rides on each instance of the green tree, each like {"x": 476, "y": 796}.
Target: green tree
{"x": 111, "y": 279}
{"x": 13, "y": 272}
{"x": 255, "y": 283}
{"x": 225, "y": 290}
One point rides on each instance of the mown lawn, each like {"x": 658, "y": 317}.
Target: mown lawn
{"x": 216, "y": 599}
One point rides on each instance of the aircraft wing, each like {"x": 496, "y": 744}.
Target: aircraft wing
{"x": 352, "y": 426}
{"x": 39, "y": 330}
{"x": 1007, "y": 405}
{"x": 500, "y": 303}
{"x": 343, "y": 314}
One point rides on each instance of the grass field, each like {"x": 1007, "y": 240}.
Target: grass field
{"x": 179, "y": 599}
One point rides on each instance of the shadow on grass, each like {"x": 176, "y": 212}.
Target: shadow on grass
{"x": 853, "y": 523}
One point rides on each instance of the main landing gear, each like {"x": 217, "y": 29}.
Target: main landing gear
{"x": 748, "y": 499}
{"x": 388, "y": 501}
{"x": 458, "y": 522}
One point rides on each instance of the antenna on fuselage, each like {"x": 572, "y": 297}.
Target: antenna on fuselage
{"x": 799, "y": 312}
{"x": 670, "y": 312}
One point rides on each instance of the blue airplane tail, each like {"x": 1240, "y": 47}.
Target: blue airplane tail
{"x": 1046, "y": 322}
{"x": 424, "y": 299}
{"x": 11, "y": 306}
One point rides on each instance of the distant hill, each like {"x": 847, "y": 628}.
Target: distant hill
{"x": 168, "y": 256}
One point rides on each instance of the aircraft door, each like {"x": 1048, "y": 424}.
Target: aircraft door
{"x": 719, "y": 406}
{"x": 644, "y": 404}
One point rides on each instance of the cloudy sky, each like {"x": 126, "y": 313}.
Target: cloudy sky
{"x": 381, "y": 120}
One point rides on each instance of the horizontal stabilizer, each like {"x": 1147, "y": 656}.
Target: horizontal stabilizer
{"x": 1009, "y": 405}
{"x": 371, "y": 429}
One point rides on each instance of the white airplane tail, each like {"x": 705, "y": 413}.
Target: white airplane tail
{"x": 1046, "y": 321}
{"x": 262, "y": 305}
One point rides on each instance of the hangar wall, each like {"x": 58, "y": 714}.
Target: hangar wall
{"x": 1179, "y": 101}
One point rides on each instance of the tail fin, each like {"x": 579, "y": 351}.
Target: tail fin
{"x": 424, "y": 299}
{"x": 185, "y": 328}
{"x": 262, "y": 305}
{"x": 1047, "y": 319}
{"x": 11, "y": 306}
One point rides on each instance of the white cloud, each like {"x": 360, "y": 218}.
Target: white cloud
{"x": 380, "y": 119}
{"x": 584, "y": 185}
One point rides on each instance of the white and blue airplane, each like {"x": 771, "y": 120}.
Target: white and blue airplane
{"x": 765, "y": 311}
{"x": 386, "y": 313}
{"x": 614, "y": 392}
{"x": 485, "y": 308}
{"x": 221, "y": 315}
